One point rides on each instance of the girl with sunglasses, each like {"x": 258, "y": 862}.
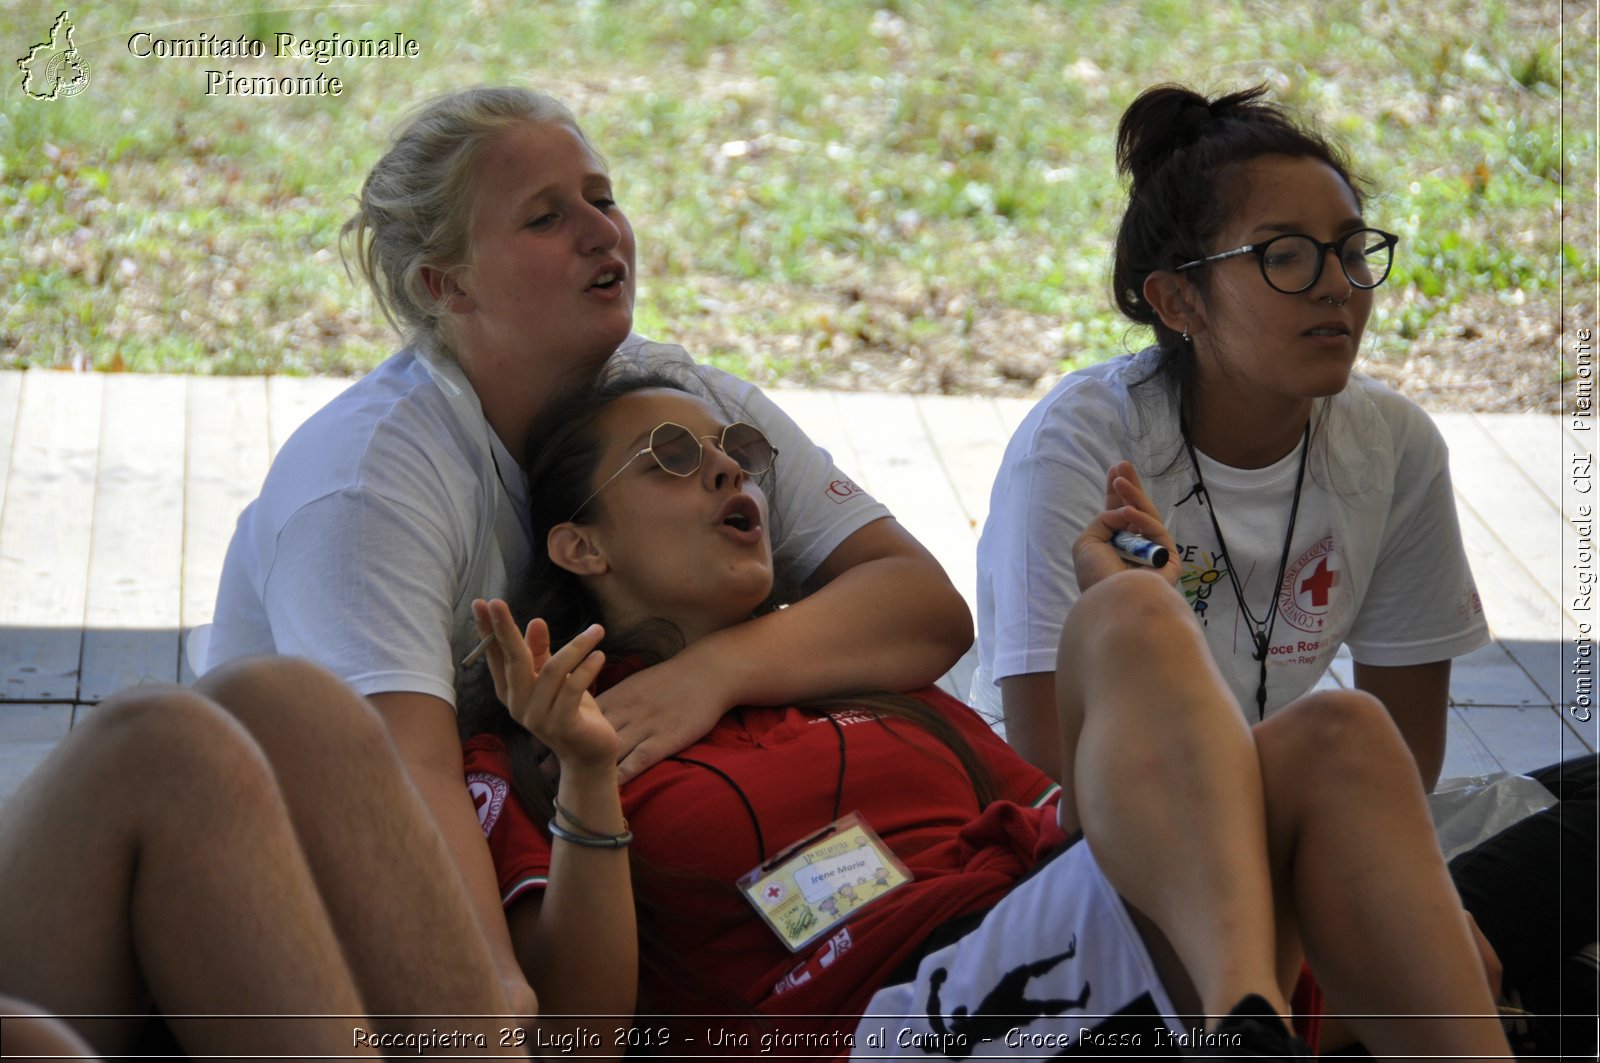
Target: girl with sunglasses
{"x": 881, "y": 873}
{"x": 494, "y": 238}
{"x": 1308, "y": 506}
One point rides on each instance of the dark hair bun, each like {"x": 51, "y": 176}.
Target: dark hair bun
{"x": 1167, "y": 119}
{"x": 1178, "y": 150}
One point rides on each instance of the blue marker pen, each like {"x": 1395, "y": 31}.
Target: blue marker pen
{"x": 1138, "y": 548}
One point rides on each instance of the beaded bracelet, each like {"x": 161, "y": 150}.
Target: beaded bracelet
{"x": 602, "y": 841}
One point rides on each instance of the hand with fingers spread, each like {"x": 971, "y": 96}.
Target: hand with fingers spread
{"x": 1128, "y": 508}
{"x": 549, "y": 693}
{"x": 576, "y": 938}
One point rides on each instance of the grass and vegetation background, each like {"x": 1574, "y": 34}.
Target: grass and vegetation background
{"x": 911, "y": 194}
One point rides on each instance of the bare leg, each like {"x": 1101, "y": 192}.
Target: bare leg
{"x": 1382, "y": 924}
{"x": 395, "y": 896}
{"x": 1163, "y": 779}
{"x": 1230, "y": 844}
{"x": 149, "y": 860}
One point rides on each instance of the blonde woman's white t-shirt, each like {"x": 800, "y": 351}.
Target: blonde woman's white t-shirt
{"x": 395, "y": 505}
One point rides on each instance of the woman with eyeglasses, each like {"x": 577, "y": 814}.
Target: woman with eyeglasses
{"x": 881, "y": 874}
{"x": 1308, "y": 506}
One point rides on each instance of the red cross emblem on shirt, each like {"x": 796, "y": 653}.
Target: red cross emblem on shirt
{"x": 1322, "y": 580}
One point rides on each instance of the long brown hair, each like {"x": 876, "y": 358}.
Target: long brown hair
{"x": 561, "y": 463}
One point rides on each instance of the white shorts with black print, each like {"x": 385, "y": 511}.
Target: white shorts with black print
{"x": 1056, "y": 968}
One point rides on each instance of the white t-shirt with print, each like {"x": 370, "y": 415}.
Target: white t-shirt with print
{"x": 1376, "y": 559}
{"x": 395, "y": 505}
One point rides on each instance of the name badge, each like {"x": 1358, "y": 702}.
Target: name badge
{"x": 823, "y": 880}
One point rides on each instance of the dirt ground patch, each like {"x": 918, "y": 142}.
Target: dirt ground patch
{"x": 1485, "y": 355}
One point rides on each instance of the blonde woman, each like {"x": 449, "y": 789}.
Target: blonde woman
{"x": 492, "y": 236}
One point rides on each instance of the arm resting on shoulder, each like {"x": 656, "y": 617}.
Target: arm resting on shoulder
{"x": 1418, "y": 698}
{"x": 424, "y": 731}
{"x": 882, "y": 614}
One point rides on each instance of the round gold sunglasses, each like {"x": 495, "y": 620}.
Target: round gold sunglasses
{"x": 679, "y": 451}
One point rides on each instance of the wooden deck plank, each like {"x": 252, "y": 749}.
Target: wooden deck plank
{"x": 1586, "y": 735}
{"x": 290, "y": 400}
{"x": 1523, "y": 616}
{"x": 1522, "y": 739}
{"x": 227, "y": 458}
{"x": 1509, "y": 525}
{"x": 10, "y": 401}
{"x": 1343, "y": 668}
{"x": 1465, "y": 754}
{"x": 817, "y": 413}
{"x": 44, "y": 537}
{"x": 969, "y": 438}
{"x": 1490, "y": 675}
{"x": 136, "y": 561}
{"x": 1535, "y": 443}
{"x": 934, "y": 466}
{"x": 1584, "y": 441}
{"x": 1527, "y": 523}
{"x": 895, "y": 451}
{"x": 27, "y": 734}
{"x": 1012, "y": 411}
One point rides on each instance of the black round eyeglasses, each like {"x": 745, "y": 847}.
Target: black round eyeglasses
{"x": 1292, "y": 263}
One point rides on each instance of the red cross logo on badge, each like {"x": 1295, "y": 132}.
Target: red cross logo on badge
{"x": 773, "y": 893}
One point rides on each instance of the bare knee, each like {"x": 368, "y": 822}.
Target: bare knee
{"x": 159, "y": 717}
{"x": 1130, "y": 612}
{"x": 281, "y": 698}
{"x": 286, "y": 681}
{"x": 157, "y": 740}
{"x": 1346, "y": 737}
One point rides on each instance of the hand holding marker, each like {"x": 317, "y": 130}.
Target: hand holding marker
{"x": 1138, "y": 548}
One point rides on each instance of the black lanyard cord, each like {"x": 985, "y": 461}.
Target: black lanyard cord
{"x": 1260, "y": 631}
{"x": 755, "y": 821}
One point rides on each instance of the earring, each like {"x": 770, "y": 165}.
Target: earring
{"x": 1185, "y": 337}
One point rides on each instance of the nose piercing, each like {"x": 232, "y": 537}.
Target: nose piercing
{"x": 1330, "y": 301}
